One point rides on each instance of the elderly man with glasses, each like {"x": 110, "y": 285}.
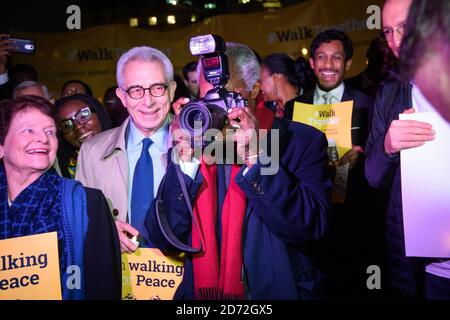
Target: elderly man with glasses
{"x": 128, "y": 163}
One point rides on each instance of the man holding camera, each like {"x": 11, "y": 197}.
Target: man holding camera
{"x": 258, "y": 233}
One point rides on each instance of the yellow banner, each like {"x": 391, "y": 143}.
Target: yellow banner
{"x": 148, "y": 274}
{"x": 29, "y": 268}
{"x": 335, "y": 120}
{"x": 91, "y": 54}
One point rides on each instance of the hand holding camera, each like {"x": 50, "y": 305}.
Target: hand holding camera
{"x": 13, "y": 45}
{"x": 181, "y": 138}
{"x": 6, "y": 45}
{"x": 245, "y": 134}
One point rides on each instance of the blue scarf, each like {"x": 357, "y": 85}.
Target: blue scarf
{"x": 36, "y": 210}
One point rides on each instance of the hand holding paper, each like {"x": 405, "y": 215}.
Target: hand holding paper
{"x": 351, "y": 156}
{"x": 335, "y": 121}
{"x": 126, "y": 245}
{"x": 405, "y": 134}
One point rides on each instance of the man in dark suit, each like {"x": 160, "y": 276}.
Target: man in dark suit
{"x": 356, "y": 225}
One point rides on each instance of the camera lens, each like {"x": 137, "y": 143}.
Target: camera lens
{"x": 199, "y": 117}
{"x": 218, "y": 116}
{"x": 195, "y": 118}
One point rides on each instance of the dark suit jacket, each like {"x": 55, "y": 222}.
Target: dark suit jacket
{"x": 103, "y": 270}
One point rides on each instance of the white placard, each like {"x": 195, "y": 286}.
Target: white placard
{"x": 425, "y": 175}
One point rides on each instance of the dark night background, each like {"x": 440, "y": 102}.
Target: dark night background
{"x": 51, "y": 16}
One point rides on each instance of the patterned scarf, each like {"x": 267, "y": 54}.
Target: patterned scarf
{"x": 36, "y": 210}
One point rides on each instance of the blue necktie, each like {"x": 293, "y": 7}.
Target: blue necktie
{"x": 142, "y": 192}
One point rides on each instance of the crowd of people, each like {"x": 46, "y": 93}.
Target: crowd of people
{"x": 98, "y": 172}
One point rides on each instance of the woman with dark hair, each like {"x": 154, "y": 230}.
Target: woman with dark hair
{"x": 35, "y": 200}
{"x": 80, "y": 117}
{"x": 282, "y": 81}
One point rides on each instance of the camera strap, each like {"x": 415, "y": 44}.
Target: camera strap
{"x": 163, "y": 221}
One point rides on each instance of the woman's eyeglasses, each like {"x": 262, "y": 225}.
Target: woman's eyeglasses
{"x": 80, "y": 118}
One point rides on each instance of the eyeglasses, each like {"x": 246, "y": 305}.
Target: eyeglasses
{"x": 81, "y": 117}
{"x": 155, "y": 90}
{"x": 388, "y": 33}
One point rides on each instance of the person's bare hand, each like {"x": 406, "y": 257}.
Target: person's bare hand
{"x": 178, "y": 105}
{"x": 405, "y": 134}
{"x": 246, "y": 134}
{"x": 351, "y": 156}
{"x": 180, "y": 137}
{"x": 5, "y": 46}
{"x": 124, "y": 229}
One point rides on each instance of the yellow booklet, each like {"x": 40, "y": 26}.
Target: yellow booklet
{"x": 148, "y": 274}
{"x": 29, "y": 268}
{"x": 335, "y": 120}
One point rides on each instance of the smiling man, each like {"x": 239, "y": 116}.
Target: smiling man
{"x": 331, "y": 54}
{"x": 331, "y": 57}
{"x": 128, "y": 163}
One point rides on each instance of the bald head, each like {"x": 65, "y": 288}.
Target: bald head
{"x": 395, "y": 14}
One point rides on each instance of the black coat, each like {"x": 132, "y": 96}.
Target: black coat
{"x": 103, "y": 277}
{"x": 383, "y": 171}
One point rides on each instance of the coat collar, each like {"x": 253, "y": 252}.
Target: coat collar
{"x": 117, "y": 140}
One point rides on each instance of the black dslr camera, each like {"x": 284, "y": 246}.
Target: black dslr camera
{"x": 210, "y": 112}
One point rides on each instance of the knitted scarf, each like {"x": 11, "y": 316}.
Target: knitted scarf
{"x": 218, "y": 276}
{"x": 36, "y": 210}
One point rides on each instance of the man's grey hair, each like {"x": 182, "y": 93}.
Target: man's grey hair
{"x": 28, "y": 84}
{"x": 245, "y": 62}
{"x": 146, "y": 54}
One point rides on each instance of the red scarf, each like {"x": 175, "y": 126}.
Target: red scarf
{"x": 212, "y": 281}
{"x": 264, "y": 115}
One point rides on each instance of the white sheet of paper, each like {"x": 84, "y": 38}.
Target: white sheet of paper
{"x": 425, "y": 175}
